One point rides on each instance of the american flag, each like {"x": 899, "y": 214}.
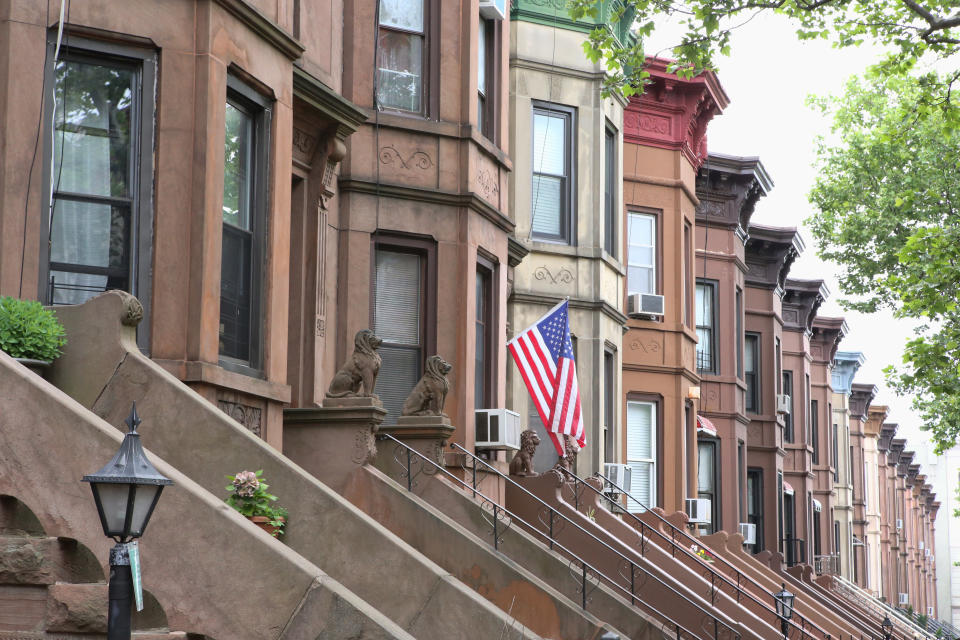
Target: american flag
{"x": 544, "y": 355}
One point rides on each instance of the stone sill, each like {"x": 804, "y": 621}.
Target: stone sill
{"x": 206, "y": 372}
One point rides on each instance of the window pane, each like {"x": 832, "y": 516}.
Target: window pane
{"x": 400, "y": 369}
{"x": 641, "y": 486}
{"x": 704, "y": 305}
{"x": 397, "y": 311}
{"x": 400, "y": 70}
{"x": 404, "y": 14}
{"x": 640, "y": 416}
{"x": 481, "y": 393}
{"x": 706, "y": 471}
{"x": 93, "y": 235}
{"x": 546, "y": 206}
{"x": 92, "y": 141}
{"x": 482, "y": 58}
{"x": 549, "y": 154}
{"x": 235, "y": 292}
{"x": 641, "y": 253}
{"x": 237, "y": 183}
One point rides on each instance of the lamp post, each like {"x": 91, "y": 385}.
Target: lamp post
{"x": 126, "y": 491}
{"x": 887, "y": 627}
{"x": 784, "y": 608}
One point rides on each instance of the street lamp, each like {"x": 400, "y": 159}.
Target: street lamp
{"x": 126, "y": 491}
{"x": 887, "y": 627}
{"x": 784, "y": 607}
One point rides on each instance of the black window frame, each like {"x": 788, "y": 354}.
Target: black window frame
{"x": 755, "y": 503}
{"x": 755, "y": 383}
{"x": 568, "y": 204}
{"x": 486, "y": 374}
{"x": 488, "y": 101}
{"x": 141, "y": 202}
{"x": 245, "y": 98}
{"x": 787, "y": 387}
{"x": 814, "y": 428}
{"x": 609, "y": 404}
{"x": 610, "y": 190}
{"x": 738, "y": 310}
{"x": 713, "y": 286}
{"x": 714, "y": 496}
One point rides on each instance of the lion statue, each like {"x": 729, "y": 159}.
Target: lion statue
{"x": 430, "y": 394}
{"x": 570, "y": 450}
{"x": 522, "y": 463}
{"x": 358, "y": 376}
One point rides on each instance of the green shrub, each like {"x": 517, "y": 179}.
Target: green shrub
{"x": 27, "y": 330}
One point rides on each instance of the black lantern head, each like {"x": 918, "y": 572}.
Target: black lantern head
{"x": 126, "y": 490}
{"x": 887, "y": 627}
{"x": 784, "y": 602}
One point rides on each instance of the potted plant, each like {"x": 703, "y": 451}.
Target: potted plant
{"x": 248, "y": 495}
{"x": 703, "y": 554}
{"x": 30, "y": 333}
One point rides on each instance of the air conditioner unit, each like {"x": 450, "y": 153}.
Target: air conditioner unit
{"x": 921, "y": 545}
{"x": 903, "y": 600}
{"x": 493, "y": 9}
{"x": 926, "y": 553}
{"x": 698, "y": 510}
{"x": 784, "y": 403}
{"x": 617, "y": 474}
{"x": 929, "y": 612}
{"x": 899, "y": 524}
{"x": 749, "y": 532}
{"x": 641, "y": 305}
{"x": 497, "y": 429}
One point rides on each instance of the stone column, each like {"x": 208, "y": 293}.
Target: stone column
{"x": 334, "y": 440}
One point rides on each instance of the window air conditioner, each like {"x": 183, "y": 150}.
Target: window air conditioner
{"x": 783, "y": 403}
{"x": 698, "y": 510}
{"x": 749, "y": 532}
{"x": 899, "y": 524}
{"x": 929, "y": 612}
{"x": 497, "y": 429}
{"x": 921, "y": 545}
{"x": 617, "y": 474}
{"x": 493, "y": 9}
{"x": 640, "y": 305}
{"x": 926, "y": 553}
{"x": 903, "y": 600}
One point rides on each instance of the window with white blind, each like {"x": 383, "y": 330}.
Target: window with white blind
{"x": 641, "y": 253}
{"x": 642, "y": 454}
{"x": 551, "y": 207}
{"x": 707, "y": 481}
{"x": 397, "y": 321}
{"x": 706, "y": 326}
{"x": 401, "y": 55}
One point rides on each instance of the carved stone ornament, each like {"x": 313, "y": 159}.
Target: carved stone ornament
{"x": 563, "y": 275}
{"x": 132, "y": 313}
{"x": 249, "y": 417}
{"x": 416, "y": 160}
{"x": 522, "y": 463}
{"x": 569, "y": 459}
{"x": 358, "y": 376}
{"x": 430, "y": 394}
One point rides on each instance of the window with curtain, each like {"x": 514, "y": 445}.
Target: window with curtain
{"x": 738, "y": 310}
{"x": 706, "y": 326}
{"x": 787, "y": 386}
{"x": 707, "y": 482}
{"x": 610, "y": 191}
{"x": 246, "y": 126}
{"x": 551, "y": 204}
{"x": 397, "y": 320}
{"x": 641, "y": 253}
{"x": 814, "y": 430}
{"x": 402, "y": 48}
{"x": 96, "y": 171}
{"x": 487, "y": 42}
{"x": 751, "y": 350}
{"x": 755, "y": 504}
{"x": 609, "y": 405}
{"x": 642, "y": 454}
{"x": 485, "y": 363}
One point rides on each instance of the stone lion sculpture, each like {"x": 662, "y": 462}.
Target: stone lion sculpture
{"x": 522, "y": 463}
{"x": 430, "y": 394}
{"x": 358, "y": 375}
{"x": 570, "y": 451}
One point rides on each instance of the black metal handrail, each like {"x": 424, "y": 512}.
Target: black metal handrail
{"x": 585, "y": 569}
{"x": 553, "y": 512}
{"x": 674, "y": 529}
{"x": 714, "y": 574}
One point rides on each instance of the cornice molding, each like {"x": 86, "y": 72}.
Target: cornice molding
{"x": 602, "y": 306}
{"x": 264, "y": 27}
{"x": 333, "y": 106}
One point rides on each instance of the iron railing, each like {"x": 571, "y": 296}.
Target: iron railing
{"x": 802, "y": 624}
{"x": 588, "y": 577}
{"x": 854, "y": 593}
{"x": 826, "y": 565}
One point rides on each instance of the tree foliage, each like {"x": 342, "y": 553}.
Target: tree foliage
{"x": 887, "y": 201}
{"x": 911, "y": 30}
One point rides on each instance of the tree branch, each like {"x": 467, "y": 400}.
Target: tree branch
{"x": 936, "y": 22}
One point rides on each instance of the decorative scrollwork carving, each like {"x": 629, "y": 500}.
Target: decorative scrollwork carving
{"x": 364, "y": 446}
{"x": 488, "y": 184}
{"x": 416, "y": 160}
{"x": 563, "y": 276}
{"x": 494, "y": 515}
{"x": 132, "y": 313}
{"x": 586, "y": 579}
{"x": 417, "y": 466}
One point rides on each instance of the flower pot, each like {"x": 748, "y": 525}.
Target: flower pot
{"x": 39, "y": 367}
{"x": 264, "y": 523}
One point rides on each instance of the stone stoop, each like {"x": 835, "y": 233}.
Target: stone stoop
{"x": 190, "y": 433}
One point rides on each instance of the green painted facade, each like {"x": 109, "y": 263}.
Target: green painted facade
{"x": 556, "y": 13}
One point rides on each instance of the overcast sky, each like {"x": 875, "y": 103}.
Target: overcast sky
{"x": 768, "y": 76}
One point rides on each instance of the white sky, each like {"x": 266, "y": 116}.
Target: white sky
{"x": 768, "y": 76}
